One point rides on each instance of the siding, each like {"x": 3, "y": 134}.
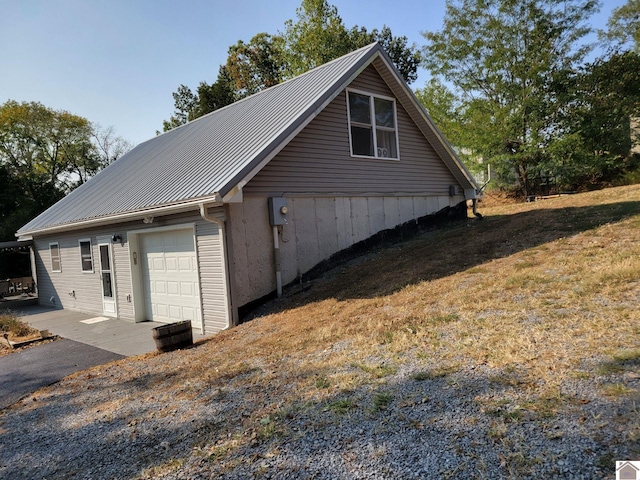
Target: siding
{"x": 317, "y": 228}
{"x": 318, "y": 159}
{"x": 72, "y": 288}
{"x": 88, "y": 288}
{"x": 213, "y": 283}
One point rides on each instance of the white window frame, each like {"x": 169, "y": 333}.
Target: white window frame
{"x": 373, "y": 125}
{"x": 80, "y": 242}
{"x": 57, "y": 244}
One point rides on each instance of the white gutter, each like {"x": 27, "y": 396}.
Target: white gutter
{"x": 120, "y": 217}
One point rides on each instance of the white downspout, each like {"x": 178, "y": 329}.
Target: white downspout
{"x": 276, "y": 257}
{"x": 209, "y": 218}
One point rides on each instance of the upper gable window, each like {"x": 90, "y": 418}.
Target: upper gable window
{"x": 372, "y": 125}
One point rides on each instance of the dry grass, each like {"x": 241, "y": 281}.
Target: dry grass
{"x": 16, "y": 331}
{"x": 530, "y": 292}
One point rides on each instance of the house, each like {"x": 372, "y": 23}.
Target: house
{"x": 627, "y": 471}
{"x": 224, "y": 210}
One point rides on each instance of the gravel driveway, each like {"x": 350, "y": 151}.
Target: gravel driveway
{"x": 122, "y": 421}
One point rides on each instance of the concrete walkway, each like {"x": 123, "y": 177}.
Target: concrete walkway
{"x": 111, "y": 334}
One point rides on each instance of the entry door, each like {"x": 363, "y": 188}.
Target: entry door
{"x": 107, "y": 278}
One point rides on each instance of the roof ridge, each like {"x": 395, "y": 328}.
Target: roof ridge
{"x": 269, "y": 89}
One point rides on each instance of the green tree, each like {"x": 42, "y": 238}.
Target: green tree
{"x": 503, "y": 57}
{"x": 189, "y": 105}
{"x": 217, "y": 95}
{"x": 597, "y": 137}
{"x": 406, "y": 58}
{"x": 444, "y": 108}
{"x": 624, "y": 26}
{"x": 186, "y": 108}
{"x": 317, "y": 37}
{"x": 256, "y": 65}
{"x": 44, "y": 154}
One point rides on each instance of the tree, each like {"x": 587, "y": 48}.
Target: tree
{"x": 624, "y": 26}
{"x": 604, "y": 97}
{"x": 256, "y": 65}
{"x": 503, "y": 58}
{"x": 317, "y": 37}
{"x": 189, "y": 105}
{"x": 406, "y": 58}
{"x": 186, "y": 107}
{"x": 217, "y": 95}
{"x": 444, "y": 108}
{"x": 46, "y": 153}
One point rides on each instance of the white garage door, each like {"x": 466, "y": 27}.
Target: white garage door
{"x": 170, "y": 276}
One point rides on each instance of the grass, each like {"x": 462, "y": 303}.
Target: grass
{"x": 12, "y": 325}
{"x": 534, "y": 297}
{"x": 15, "y": 331}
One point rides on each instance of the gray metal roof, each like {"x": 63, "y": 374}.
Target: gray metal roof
{"x": 206, "y": 158}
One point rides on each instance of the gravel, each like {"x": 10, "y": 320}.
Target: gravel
{"x": 119, "y": 421}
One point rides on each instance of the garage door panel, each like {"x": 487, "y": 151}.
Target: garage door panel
{"x": 171, "y": 264}
{"x": 184, "y": 264}
{"x": 170, "y": 276}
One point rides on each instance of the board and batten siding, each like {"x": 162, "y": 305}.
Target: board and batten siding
{"x": 317, "y": 227}
{"x": 87, "y": 287}
{"x": 318, "y": 159}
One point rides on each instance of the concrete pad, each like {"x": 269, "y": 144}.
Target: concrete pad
{"x": 113, "y": 335}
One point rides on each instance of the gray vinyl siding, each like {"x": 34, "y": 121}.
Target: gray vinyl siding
{"x": 213, "y": 280}
{"x": 318, "y": 159}
{"x": 88, "y": 287}
{"x": 72, "y": 288}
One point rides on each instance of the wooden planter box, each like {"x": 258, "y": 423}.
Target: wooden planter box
{"x": 173, "y": 336}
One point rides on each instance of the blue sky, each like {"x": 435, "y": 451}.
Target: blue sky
{"x": 116, "y": 62}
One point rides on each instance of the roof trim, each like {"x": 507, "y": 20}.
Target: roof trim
{"x": 429, "y": 122}
{"x": 192, "y": 204}
{"x": 293, "y": 129}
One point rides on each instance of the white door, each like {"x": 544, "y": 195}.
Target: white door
{"x": 170, "y": 276}
{"x": 108, "y": 280}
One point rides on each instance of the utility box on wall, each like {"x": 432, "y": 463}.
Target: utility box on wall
{"x": 278, "y": 211}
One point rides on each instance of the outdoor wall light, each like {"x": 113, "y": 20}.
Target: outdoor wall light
{"x": 116, "y": 238}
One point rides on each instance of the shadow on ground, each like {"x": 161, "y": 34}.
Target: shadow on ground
{"x": 453, "y": 248}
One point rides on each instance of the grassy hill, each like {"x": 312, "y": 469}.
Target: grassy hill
{"x": 497, "y": 348}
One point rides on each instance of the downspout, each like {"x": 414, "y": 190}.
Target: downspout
{"x": 209, "y": 218}
{"x": 276, "y": 257}
{"x": 471, "y": 194}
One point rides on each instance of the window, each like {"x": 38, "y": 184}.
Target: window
{"x": 54, "y": 252}
{"x": 372, "y": 126}
{"x": 86, "y": 257}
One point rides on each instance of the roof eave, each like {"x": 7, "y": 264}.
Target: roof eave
{"x": 167, "y": 209}
{"x": 429, "y": 123}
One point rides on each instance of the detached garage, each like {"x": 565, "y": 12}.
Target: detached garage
{"x": 213, "y": 215}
